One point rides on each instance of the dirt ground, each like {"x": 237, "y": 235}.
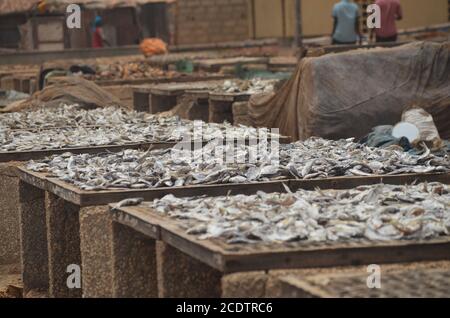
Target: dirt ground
{"x": 10, "y": 282}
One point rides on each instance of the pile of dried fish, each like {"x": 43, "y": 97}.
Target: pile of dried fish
{"x": 378, "y": 213}
{"x": 129, "y": 70}
{"x": 321, "y": 158}
{"x": 73, "y": 115}
{"x": 155, "y": 130}
{"x": 254, "y": 86}
{"x": 229, "y": 163}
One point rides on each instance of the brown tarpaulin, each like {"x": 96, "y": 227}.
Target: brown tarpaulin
{"x": 345, "y": 95}
{"x": 68, "y": 90}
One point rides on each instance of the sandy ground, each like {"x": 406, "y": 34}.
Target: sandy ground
{"x": 10, "y": 282}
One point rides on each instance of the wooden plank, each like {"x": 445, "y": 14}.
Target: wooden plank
{"x": 141, "y": 84}
{"x": 172, "y": 89}
{"x": 39, "y": 154}
{"x": 36, "y": 179}
{"x": 164, "y": 97}
{"x": 253, "y": 257}
{"x": 283, "y": 62}
{"x": 353, "y": 182}
{"x": 217, "y": 64}
{"x": 135, "y": 218}
{"x": 88, "y": 198}
{"x": 229, "y": 97}
{"x": 198, "y": 94}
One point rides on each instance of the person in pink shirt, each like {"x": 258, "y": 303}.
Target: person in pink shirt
{"x": 391, "y": 11}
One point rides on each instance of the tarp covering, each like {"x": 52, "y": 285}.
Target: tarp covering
{"x": 346, "y": 95}
{"x": 68, "y": 90}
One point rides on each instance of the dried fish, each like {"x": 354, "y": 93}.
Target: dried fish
{"x": 233, "y": 163}
{"x": 253, "y": 86}
{"x": 321, "y": 215}
{"x": 102, "y": 127}
{"x": 128, "y": 202}
{"x": 76, "y": 116}
{"x": 135, "y": 69}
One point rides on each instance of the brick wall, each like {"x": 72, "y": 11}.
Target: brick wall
{"x": 211, "y": 21}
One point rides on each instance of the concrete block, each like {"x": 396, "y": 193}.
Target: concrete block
{"x": 96, "y": 251}
{"x": 63, "y": 235}
{"x": 134, "y": 264}
{"x": 33, "y": 233}
{"x": 244, "y": 285}
{"x": 181, "y": 276}
{"x": 9, "y": 215}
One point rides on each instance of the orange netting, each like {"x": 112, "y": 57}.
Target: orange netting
{"x": 153, "y": 46}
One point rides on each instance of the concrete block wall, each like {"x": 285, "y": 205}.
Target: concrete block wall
{"x": 211, "y": 21}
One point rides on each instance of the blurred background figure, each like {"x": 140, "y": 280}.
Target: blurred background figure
{"x": 346, "y": 23}
{"x": 42, "y": 6}
{"x": 98, "y": 37}
{"x": 391, "y": 11}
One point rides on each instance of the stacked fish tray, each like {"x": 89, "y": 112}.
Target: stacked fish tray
{"x": 81, "y": 229}
{"x": 163, "y": 97}
{"x": 132, "y": 92}
{"x": 32, "y": 135}
{"x": 36, "y": 134}
{"x": 213, "y": 100}
{"x": 203, "y": 247}
{"x": 141, "y": 93}
{"x": 228, "y": 102}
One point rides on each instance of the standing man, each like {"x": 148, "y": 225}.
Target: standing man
{"x": 346, "y": 23}
{"x": 98, "y": 38}
{"x": 390, "y": 11}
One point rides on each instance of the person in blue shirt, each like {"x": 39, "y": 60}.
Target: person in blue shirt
{"x": 346, "y": 23}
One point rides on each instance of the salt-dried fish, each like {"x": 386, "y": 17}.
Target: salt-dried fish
{"x": 73, "y": 115}
{"x": 253, "y": 86}
{"x": 135, "y": 69}
{"x": 319, "y": 158}
{"x": 128, "y": 202}
{"x": 307, "y": 216}
{"x": 116, "y": 128}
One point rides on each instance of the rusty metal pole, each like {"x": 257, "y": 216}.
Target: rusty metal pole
{"x": 298, "y": 28}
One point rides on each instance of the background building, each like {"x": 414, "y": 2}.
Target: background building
{"x": 183, "y": 22}
{"x": 125, "y": 23}
{"x": 276, "y": 18}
